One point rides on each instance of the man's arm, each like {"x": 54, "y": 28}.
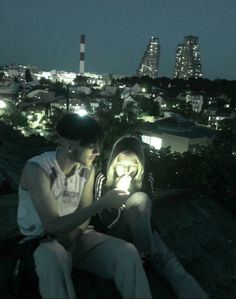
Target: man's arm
{"x": 86, "y": 200}
{"x": 38, "y": 184}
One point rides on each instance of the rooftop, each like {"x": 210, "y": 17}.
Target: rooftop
{"x": 200, "y": 232}
{"x": 179, "y": 127}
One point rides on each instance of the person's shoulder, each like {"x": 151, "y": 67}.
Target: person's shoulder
{"x": 32, "y": 169}
{"x": 147, "y": 173}
{"x": 31, "y": 174}
{"x": 100, "y": 185}
{"x": 100, "y": 176}
{"x": 41, "y": 159}
{"x": 39, "y": 164}
{"x": 45, "y": 160}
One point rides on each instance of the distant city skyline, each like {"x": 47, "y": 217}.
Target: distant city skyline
{"x": 188, "y": 59}
{"x": 47, "y": 34}
{"x": 149, "y": 65}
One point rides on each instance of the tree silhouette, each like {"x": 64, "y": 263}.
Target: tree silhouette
{"x": 116, "y": 103}
{"x": 80, "y": 80}
{"x": 28, "y": 76}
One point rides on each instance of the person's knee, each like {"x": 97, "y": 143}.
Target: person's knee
{"x": 51, "y": 253}
{"x": 140, "y": 200}
{"x": 129, "y": 254}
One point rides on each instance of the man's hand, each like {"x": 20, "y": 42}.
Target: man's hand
{"x": 113, "y": 199}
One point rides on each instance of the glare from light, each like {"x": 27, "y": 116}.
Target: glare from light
{"x": 153, "y": 141}
{"x": 2, "y": 104}
{"x": 80, "y": 111}
{"x": 156, "y": 142}
{"x": 124, "y": 183}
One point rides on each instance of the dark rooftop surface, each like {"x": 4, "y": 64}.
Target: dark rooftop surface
{"x": 183, "y": 129}
{"x": 195, "y": 227}
{"x": 199, "y": 231}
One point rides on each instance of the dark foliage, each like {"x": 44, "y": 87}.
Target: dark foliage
{"x": 28, "y": 76}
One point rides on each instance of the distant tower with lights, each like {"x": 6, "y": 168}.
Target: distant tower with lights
{"x": 188, "y": 61}
{"x": 82, "y": 53}
{"x": 149, "y": 65}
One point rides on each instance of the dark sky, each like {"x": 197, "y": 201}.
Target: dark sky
{"x": 46, "y": 33}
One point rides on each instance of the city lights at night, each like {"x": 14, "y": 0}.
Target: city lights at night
{"x": 78, "y": 77}
{"x": 2, "y": 104}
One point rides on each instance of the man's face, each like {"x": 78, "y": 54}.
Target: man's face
{"x": 84, "y": 155}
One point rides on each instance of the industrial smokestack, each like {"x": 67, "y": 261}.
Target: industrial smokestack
{"x": 82, "y": 53}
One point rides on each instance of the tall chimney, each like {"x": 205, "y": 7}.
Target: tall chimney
{"x": 82, "y": 53}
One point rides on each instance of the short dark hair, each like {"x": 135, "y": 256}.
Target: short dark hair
{"x": 83, "y": 128}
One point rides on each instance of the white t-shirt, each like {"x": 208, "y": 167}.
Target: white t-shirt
{"x": 67, "y": 192}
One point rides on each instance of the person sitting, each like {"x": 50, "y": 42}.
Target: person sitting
{"x": 55, "y": 207}
{"x": 132, "y": 222}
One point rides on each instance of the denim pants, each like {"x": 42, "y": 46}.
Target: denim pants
{"x": 134, "y": 224}
{"x": 93, "y": 252}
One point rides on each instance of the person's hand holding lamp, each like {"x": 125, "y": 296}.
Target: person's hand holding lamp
{"x": 113, "y": 199}
{"x": 124, "y": 183}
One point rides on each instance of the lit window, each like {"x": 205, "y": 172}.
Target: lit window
{"x": 146, "y": 139}
{"x": 153, "y": 141}
{"x": 156, "y": 142}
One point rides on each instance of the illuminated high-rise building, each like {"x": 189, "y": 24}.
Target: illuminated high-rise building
{"x": 149, "y": 65}
{"x": 188, "y": 61}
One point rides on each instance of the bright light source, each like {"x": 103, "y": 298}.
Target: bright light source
{"x": 156, "y": 142}
{"x": 124, "y": 183}
{"x": 80, "y": 111}
{"x": 146, "y": 139}
{"x": 153, "y": 141}
{"x": 143, "y": 89}
{"x": 2, "y": 104}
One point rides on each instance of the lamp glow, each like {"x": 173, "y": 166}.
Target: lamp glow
{"x": 124, "y": 183}
{"x": 81, "y": 111}
{"x": 2, "y": 104}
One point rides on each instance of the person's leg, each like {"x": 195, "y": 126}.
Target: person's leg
{"x": 166, "y": 263}
{"x": 114, "y": 259}
{"x": 53, "y": 267}
{"x": 134, "y": 224}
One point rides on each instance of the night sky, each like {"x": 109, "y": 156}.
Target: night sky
{"x": 46, "y": 33}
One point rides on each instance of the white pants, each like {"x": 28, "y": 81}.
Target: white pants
{"x": 93, "y": 252}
